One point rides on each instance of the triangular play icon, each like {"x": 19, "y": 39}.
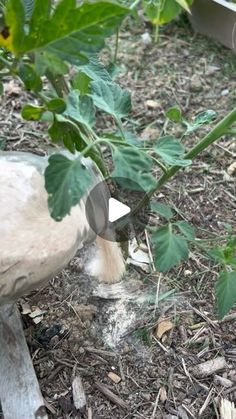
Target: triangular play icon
{"x": 117, "y": 210}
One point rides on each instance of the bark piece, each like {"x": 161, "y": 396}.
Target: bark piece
{"x": 114, "y": 377}
{"x": 79, "y": 397}
{"x": 111, "y": 396}
{"x": 209, "y": 367}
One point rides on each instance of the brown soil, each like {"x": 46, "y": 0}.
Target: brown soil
{"x": 156, "y": 373}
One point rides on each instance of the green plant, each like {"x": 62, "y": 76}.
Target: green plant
{"x": 59, "y": 42}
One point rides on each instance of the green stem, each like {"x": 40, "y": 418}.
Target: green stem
{"x": 156, "y": 34}
{"x": 220, "y": 129}
{"x": 159, "y": 164}
{"x": 6, "y": 63}
{"x": 116, "y": 46}
{"x": 120, "y": 126}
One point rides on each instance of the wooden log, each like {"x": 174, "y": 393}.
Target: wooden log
{"x": 20, "y": 394}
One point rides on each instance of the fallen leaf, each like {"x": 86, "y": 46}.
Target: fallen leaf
{"x": 162, "y": 394}
{"x": 152, "y": 104}
{"x": 114, "y": 377}
{"x": 11, "y": 88}
{"x": 232, "y": 169}
{"x": 36, "y": 315}
{"x": 163, "y": 327}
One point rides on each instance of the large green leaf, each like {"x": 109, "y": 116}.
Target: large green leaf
{"x": 170, "y": 248}
{"x": 111, "y": 98}
{"x": 66, "y": 182}
{"x": 171, "y": 151}
{"x": 131, "y": 163}
{"x": 226, "y": 292}
{"x": 65, "y": 28}
{"x": 80, "y": 108}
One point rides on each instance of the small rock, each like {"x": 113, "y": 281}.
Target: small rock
{"x": 146, "y": 38}
{"x": 225, "y": 92}
{"x": 146, "y": 396}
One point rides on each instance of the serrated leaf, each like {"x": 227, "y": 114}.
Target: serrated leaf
{"x": 225, "y": 255}
{"x": 162, "y": 209}
{"x": 225, "y": 292}
{"x": 32, "y": 112}
{"x": 66, "y": 182}
{"x": 80, "y": 109}
{"x": 111, "y": 98}
{"x": 169, "y": 248}
{"x": 186, "y": 229}
{"x": 205, "y": 117}
{"x": 31, "y": 79}
{"x": 174, "y": 114}
{"x": 56, "y": 105}
{"x": 95, "y": 69}
{"x": 171, "y": 151}
{"x": 131, "y": 163}
{"x": 64, "y": 130}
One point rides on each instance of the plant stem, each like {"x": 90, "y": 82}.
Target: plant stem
{"x": 120, "y": 126}
{"x": 220, "y": 129}
{"x": 6, "y": 63}
{"x": 159, "y": 164}
{"x": 116, "y": 46}
{"x": 156, "y": 34}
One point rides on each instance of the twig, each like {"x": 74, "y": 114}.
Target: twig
{"x": 111, "y": 396}
{"x": 207, "y": 401}
{"x": 101, "y": 352}
{"x": 155, "y": 405}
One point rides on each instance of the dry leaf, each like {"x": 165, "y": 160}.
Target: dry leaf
{"x": 25, "y": 308}
{"x": 36, "y": 314}
{"x": 162, "y": 394}
{"x": 163, "y": 327}
{"x": 114, "y": 377}
{"x": 232, "y": 169}
{"x": 11, "y": 88}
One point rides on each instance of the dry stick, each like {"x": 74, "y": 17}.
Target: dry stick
{"x": 111, "y": 396}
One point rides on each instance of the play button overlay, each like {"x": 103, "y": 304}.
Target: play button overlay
{"x": 116, "y": 210}
{"x": 111, "y": 209}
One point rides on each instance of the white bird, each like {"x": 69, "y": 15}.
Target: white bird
{"x": 34, "y": 247}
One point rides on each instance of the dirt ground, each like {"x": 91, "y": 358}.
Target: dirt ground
{"x": 155, "y": 352}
